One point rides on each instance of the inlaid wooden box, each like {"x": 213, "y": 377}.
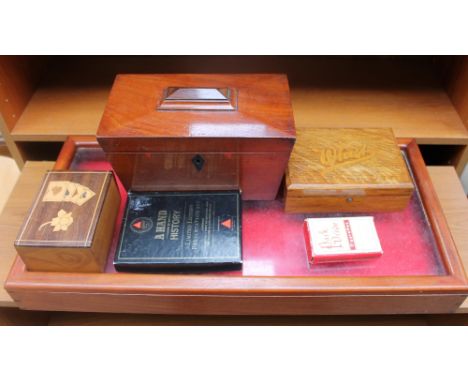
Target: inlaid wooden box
{"x": 347, "y": 170}
{"x": 70, "y": 225}
{"x": 179, "y": 132}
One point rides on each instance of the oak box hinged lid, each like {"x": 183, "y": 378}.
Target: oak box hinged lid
{"x": 347, "y": 170}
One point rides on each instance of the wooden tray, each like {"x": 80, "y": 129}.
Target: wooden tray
{"x": 275, "y": 278}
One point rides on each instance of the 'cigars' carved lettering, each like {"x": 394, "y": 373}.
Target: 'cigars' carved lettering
{"x": 333, "y": 157}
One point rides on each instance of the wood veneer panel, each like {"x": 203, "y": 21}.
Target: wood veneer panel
{"x": 55, "y": 113}
{"x": 134, "y": 113}
{"x": 241, "y": 305}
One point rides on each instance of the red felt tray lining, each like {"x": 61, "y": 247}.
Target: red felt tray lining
{"x": 273, "y": 241}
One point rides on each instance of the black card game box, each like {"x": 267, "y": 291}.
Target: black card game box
{"x": 180, "y": 231}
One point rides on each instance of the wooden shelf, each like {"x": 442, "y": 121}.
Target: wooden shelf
{"x": 424, "y": 114}
{"x": 427, "y": 115}
{"x": 326, "y": 92}
{"x": 54, "y": 113}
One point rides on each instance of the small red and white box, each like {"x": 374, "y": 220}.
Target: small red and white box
{"x": 341, "y": 239}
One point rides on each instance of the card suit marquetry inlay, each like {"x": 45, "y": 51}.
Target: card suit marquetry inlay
{"x": 199, "y": 99}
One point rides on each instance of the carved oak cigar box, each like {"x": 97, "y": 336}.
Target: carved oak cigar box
{"x": 70, "y": 225}
{"x": 191, "y": 132}
{"x": 347, "y": 170}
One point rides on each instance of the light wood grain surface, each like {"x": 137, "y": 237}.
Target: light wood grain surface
{"x": 425, "y": 114}
{"x": 346, "y": 169}
{"x": 55, "y": 113}
{"x": 458, "y": 88}
{"x": 331, "y": 159}
{"x": 446, "y": 182}
{"x": 12, "y": 217}
{"x": 454, "y": 203}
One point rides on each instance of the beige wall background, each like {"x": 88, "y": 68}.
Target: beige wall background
{"x": 9, "y": 174}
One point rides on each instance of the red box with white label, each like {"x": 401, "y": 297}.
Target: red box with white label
{"x": 341, "y": 239}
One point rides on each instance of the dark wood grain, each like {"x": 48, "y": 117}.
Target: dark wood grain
{"x": 75, "y": 318}
{"x": 241, "y": 125}
{"x": 62, "y": 235}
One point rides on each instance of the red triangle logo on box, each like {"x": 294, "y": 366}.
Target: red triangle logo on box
{"x": 227, "y": 223}
{"x": 137, "y": 224}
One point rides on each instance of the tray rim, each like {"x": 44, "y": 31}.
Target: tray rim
{"x": 453, "y": 283}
